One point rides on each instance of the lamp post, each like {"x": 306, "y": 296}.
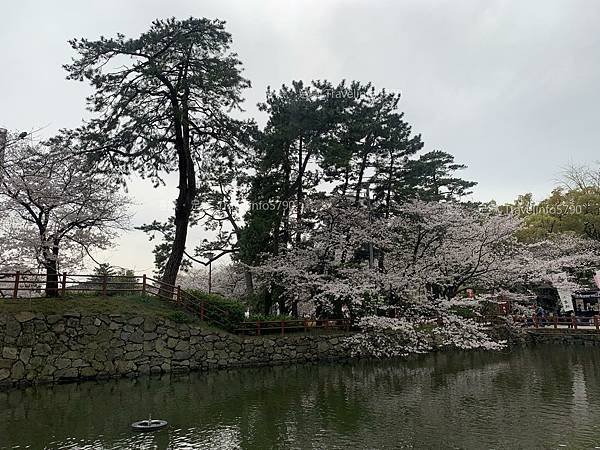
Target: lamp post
{"x": 210, "y": 256}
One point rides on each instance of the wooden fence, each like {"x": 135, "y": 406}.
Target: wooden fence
{"x": 23, "y": 285}
{"x": 19, "y": 285}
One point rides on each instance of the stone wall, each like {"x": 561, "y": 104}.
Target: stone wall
{"x": 52, "y": 348}
{"x": 563, "y": 336}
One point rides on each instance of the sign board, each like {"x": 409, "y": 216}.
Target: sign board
{"x": 565, "y": 299}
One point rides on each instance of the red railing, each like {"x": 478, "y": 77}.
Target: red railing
{"x": 282, "y": 326}
{"x": 556, "y": 322}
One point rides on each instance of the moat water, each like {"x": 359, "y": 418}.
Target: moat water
{"x": 532, "y": 398}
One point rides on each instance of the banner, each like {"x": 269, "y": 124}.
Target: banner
{"x": 565, "y": 299}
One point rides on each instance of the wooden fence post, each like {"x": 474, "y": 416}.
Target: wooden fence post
{"x": 16, "y": 288}
{"x": 179, "y": 295}
{"x": 555, "y": 321}
{"x": 596, "y": 322}
{"x": 104, "y": 283}
{"x": 144, "y": 284}
{"x": 574, "y": 322}
{"x": 202, "y": 310}
{"x": 282, "y": 327}
{"x": 64, "y": 284}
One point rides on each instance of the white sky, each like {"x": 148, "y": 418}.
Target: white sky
{"x": 508, "y": 87}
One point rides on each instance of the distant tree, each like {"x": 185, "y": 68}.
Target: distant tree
{"x": 431, "y": 177}
{"x": 573, "y": 206}
{"x": 65, "y": 210}
{"x": 119, "y": 281}
{"x": 582, "y": 177}
{"x": 161, "y": 103}
{"x": 105, "y": 270}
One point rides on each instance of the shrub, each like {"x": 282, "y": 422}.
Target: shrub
{"x": 463, "y": 311}
{"x": 490, "y": 308}
{"x": 266, "y": 317}
{"x": 179, "y": 317}
{"x": 219, "y": 310}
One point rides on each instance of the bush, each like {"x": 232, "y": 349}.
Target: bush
{"x": 490, "y": 308}
{"x": 465, "y": 312}
{"x": 219, "y": 310}
{"x": 179, "y": 317}
{"x": 266, "y": 317}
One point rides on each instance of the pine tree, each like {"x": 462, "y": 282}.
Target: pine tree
{"x": 431, "y": 177}
{"x": 160, "y": 104}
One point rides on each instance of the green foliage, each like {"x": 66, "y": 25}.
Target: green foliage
{"x": 220, "y": 310}
{"x": 490, "y": 308}
{"x": 118, "y": 281}
{"x": 426, "y": 327}
{"x": 127, "y": 305}
{"x": 268, "y": 317}
{"x": 575, "y": 210}
{"x": 463, "y": 311}
{"x": 431, "y": 177}
{"x": 259, "y": 301}
{"x": 180, "y": 317}
{"x": 194, "y": 64}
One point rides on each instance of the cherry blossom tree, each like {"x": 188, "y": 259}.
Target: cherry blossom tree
{"x": 65, "y": 210}
{"x": 455, "y": 246}
{"x": 433, "y": 251}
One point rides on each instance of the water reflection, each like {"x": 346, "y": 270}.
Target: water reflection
{"x": 544, "y": 397}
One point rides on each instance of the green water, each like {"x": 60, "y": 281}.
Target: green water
{"x": 541, "y": 397}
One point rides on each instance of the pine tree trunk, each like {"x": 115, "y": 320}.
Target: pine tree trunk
{"x": 185, "y": 200}
{"x": 182, "y": 218}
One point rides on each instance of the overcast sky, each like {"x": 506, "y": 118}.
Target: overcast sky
{"x": 508, "y": 87}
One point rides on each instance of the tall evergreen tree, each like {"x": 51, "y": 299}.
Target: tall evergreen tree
{"x": 432, "y": 177}
{"x": 160, "y": 104}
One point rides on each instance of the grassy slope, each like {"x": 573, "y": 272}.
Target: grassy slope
{"x": 128, "y": 305}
